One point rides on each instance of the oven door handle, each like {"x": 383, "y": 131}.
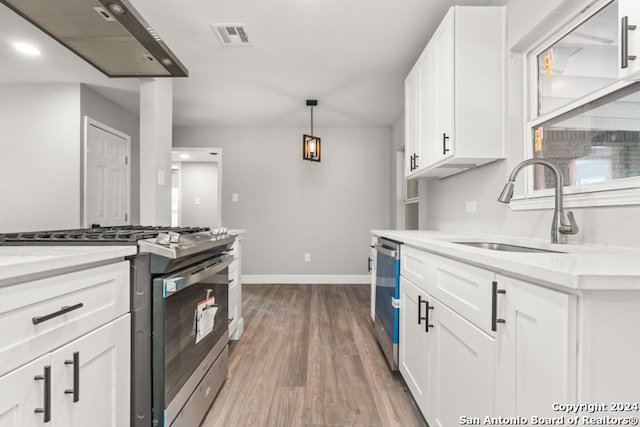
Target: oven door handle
{"x": 193, "y": 275}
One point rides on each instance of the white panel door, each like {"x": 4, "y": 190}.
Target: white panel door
{"x": 414, "y": 341}
{"x": 536, "y": 349}
{"x": 22, "y": 392}
{"x": 102, "y": 377}
{"x": 106, "y": 188}
{"x": 443, "y": 39}
{"x": 461, "y": 369}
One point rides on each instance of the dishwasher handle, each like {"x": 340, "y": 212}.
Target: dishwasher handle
{"x": 386, "y": 251}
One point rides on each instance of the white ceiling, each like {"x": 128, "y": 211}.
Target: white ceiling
{"x": 350, "y": 55}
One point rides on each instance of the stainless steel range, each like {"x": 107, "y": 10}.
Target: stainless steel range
{"x": 179, "y": 312}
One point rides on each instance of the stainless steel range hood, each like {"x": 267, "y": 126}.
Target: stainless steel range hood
{"x": 109, "y": 34}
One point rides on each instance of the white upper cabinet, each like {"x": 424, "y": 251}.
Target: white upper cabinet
{"x": 455, "y": 121}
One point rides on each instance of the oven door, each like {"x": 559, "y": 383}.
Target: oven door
{"x": 190, "y": 330}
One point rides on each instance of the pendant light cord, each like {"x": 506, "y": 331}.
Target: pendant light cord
{"x": 312, "y": 120}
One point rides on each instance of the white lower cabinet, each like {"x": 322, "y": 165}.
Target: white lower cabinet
{"x": 494, "y": 346}
{"x": 414, "y": 343}
{"x": 52, "y": 390}
{"x": 65, "y": 349}
{"x": 102, "y": 376}
{"x": 536, "y": 349}
{"x": 236, "y": 322}
{"x": 461, "y": 371}
{"x": 23, "y": 394}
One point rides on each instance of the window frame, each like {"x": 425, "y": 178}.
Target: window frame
{"x": 618, "y": 192}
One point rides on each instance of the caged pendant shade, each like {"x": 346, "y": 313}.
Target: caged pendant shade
{"x": 310, "y": 143}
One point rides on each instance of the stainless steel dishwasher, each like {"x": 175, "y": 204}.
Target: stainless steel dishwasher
{"x": 387, "y": 298}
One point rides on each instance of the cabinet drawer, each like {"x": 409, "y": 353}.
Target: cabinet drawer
{"x": 30, "y": 313}
{"x": 413, "y": 266}
{"x": 463, "y": 288}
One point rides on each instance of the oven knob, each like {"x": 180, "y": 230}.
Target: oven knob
{"x": 163, "y": 239}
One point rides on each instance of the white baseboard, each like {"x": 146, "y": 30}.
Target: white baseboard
{"x": 306, "y": 279}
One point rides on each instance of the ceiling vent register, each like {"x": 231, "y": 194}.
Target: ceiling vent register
{"x": 232, "y": 34}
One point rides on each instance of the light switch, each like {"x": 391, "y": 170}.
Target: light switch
{"x": 234, "y": 197}
{"x": 197, "y": 201}
{"x": 160, "y": 177}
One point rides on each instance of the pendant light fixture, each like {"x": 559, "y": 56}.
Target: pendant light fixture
{"x": 310, "y": 143}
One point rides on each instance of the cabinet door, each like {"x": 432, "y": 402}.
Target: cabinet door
{"x": 428, "y": 101}
{"x": 443, "y": 39}
{"x": 414, "y": 341}
{"x": 411, "y": 121}
{"x": 96, "y": 391}
{"x": 536, "y": 349}
{"x": 22, "y": 393}
{"x": 629, "y": 10}
{"x": 461, "y": 373}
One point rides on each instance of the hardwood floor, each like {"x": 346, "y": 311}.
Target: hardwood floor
{"x": 308, "y": 357}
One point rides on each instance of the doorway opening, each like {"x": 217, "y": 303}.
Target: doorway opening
{"x": 196, "y": 187}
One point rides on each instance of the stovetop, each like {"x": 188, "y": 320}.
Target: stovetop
{"x": 125, "y": 234}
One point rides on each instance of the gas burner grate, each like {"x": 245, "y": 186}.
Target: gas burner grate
{"x": 96, "y": 234}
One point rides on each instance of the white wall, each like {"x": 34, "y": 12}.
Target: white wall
{"x": 40, "y": 167}
{"x": 290, "y": 207}
{"x": 444, "y": 207}
{"x": 199, "y": 180}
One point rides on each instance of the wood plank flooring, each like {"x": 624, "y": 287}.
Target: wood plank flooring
{"x": 308, "y": 357}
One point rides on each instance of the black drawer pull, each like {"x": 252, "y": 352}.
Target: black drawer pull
{"x": 46, "y": 411}
{"x": 426, "y": 313}
{"x": 494, "y": 306}
{"x": 63, "y": 310}
{"x": 445, "y": 150}
{"x": 76, "y": 376}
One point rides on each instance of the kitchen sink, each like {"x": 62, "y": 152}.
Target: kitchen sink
{"x": 506, "y": 247}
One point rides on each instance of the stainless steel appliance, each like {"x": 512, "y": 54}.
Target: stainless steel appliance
{"x": 387, "y": 298}
{"x": 179, "y": 349}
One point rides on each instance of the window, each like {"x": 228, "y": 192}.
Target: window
{"x": 584, "y": 114}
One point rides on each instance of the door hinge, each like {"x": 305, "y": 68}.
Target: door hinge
{"x": 126, "y": 160}
{"x": 126, "y": 217}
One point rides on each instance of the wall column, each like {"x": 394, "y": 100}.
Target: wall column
{"x": 156, "y": 121}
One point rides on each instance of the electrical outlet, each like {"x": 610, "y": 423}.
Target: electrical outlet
{"x": 197, "y": 201}
{"x": 471, "y": 206}
{"x": 307, "y": 257}
{"x": 234, "y": 197}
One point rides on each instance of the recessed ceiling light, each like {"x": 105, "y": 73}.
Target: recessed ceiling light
{"x": 184, "y": 156}
{"x": 26, "y": 49}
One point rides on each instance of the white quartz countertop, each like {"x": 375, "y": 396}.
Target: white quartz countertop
{"x": 16, "y": 261}
{"x": 583, "y": 267}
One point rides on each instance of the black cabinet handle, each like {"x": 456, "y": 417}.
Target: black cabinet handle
{"x": 369, "y": 263}
{"x": 427, "y": 325}
{"x": 63, "y": 310}
{"x": 415, "y": 161}
{"x": 624, "y": 42}
{"x": 494, "y": 306}
{"x": 46, "y": 411}
{"x": 76, "y": 376}
{"x": 445, "y": 150}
